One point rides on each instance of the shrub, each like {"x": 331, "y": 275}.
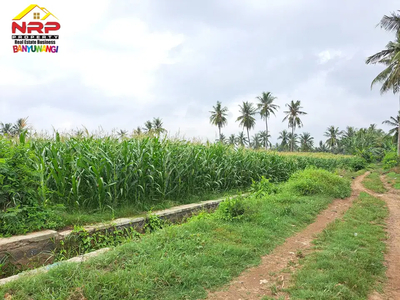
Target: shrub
{"x": 23, "y": 219}
{"x": 263, "y": 187}
{"x": 231, "y": 209}
{"x": 358, "y": 163}
{"x": 316, "y": 181}
{"x": 390, "y": 160}
{"x": 18, "y": 178}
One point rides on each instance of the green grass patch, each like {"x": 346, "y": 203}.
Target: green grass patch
{"x": 394, "y": 179}
{"x": 349, "y": 260}
{"x": 184, "y": 261}
{"x": 374, "y": 183}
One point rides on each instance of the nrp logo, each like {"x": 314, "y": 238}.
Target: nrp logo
{"x": 35, "y": 29}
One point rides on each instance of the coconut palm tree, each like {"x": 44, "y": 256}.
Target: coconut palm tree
{"x": 122, "y": 133}
{"x": 391, "y": 23}
{"x": 306, "y": 142}
{"x": 222, "y": 138}
{"x": 7, "y": 129}
{"x": 138, "y": 131}
{"x": 218, "y": 117}
{"x": 21, "y": 126}
{"x": 265, "y": 138}
{"x": 232, "y": 139}
{"x": 158, "y": 126}
{"x": 283, "y": 135}
{"x": 241, "y": 139}
{"x": 390, "y": 58}
{"x": 148, "y": 127}
{"x": 246, "y": 118}
{"x": 256, "y": 141}
{"x": 322, "y": 147}
{"x": 293, "y": 117}
{"x": 266, "y": 107}
{"x": 333, "y": 134}
{"x": 394, "y": 122}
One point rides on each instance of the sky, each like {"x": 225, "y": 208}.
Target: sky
{"x": 121, "y": 63}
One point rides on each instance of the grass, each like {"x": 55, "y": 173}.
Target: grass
{"x": 349, "y": 260}
{"x": 183, "y": 262}
{"x": 80, "y": 217}
{"x": 394, "y": 179}
{"x": 374, "y": 183}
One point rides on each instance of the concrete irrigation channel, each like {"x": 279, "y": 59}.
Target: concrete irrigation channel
{"x": 38, "y": 247}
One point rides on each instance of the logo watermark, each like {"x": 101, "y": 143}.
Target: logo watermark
{"x": 35, "y": 30}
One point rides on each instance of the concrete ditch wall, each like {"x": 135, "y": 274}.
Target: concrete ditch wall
{"x": 36, "y": 248}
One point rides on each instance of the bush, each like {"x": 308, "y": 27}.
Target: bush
{"x": 18, "y": 178}
{"x": 358, "y": 163}
{"x": 390, "y": 160}
{"x": 316, "y": 181}
{"x": 263, "y": 187}
{"x": 231, "y": 209}
{"x": 20, "y": 220}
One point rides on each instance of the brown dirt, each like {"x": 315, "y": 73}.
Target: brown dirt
{"x": 274, "y": 272}
{"x": 392, "y": 257}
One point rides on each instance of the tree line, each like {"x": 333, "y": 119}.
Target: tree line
{"x": 367, "y": 142}
{"x": 265, "y": 107}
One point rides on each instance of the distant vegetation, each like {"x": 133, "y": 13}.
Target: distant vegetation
{"x": 369, "y": 143}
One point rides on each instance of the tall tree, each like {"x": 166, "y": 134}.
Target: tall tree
{"x": 158, "y": 126}
{"x": 306, "y": 142}
{"x": 232, "y": 140}
{"x": 218, "y": 117}
{"x": 148, "y": 127}
{"x": 283, "y": 135}
{"x": 293, "y": 117}
{"x": 20, "y": 126}
{"x": 241, "y": 139}
{"x": 7, "y": 129}
{"x": 138, "y": 131}
{"x": 333, "y": 134}
{"x": 394, "y": 122}
{"x": 390, "y": 58}
{"x": 266, "y": 107}
{"x": 246, "y": 118}
{"x": 265, "y": 138}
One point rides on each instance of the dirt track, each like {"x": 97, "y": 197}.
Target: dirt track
{"x": 272, "y": 273}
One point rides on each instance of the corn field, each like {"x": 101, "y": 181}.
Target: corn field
{"x": 108, "y": 172}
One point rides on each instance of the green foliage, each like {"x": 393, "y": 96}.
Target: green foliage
{"x": 18, "y": 178}
{"x": 350, "y": 255}
{"x": 263, "y": 187}
{"x": 153, "y": 223}
{"x": 23, "y": 219}
{"x": 390, "y": 160}
{"x": 358, "y": 163}
{"x": 231, "y": 209}
{"x": 316, "y": 181}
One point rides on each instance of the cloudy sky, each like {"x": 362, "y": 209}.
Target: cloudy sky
{"x": 123, "y": 62}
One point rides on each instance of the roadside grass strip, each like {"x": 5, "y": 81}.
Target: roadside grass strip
{"x": 394, "y": 179}
{"x": 184, "y": 261}
{"x": 348, "y": 263}
{"x": 374, "y": 183}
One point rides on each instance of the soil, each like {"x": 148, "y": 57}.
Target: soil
{"x": 274, "y": 272}
{"x": 392, "y": 258}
